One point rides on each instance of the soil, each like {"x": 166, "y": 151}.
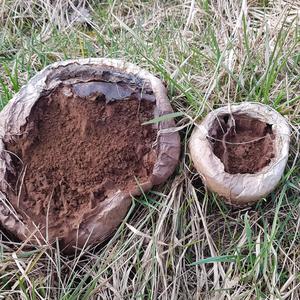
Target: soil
{"x": 244, "y": 145}
{"x": 77, "y": 150}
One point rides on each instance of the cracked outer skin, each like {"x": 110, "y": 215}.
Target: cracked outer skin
{"x": 97, "y": 224}
{"x": 240, "y": 189}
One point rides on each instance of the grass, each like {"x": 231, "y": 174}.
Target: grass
{"x": 179, "y": 241}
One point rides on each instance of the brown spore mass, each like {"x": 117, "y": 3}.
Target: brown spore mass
{"x": 243, "y": 144}
{"x": 77, "y": 150}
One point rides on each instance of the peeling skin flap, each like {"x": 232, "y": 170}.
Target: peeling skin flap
{"x": 111, "y": 91}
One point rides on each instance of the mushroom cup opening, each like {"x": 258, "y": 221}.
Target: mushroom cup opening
{"x": 75, "y": 149}
{"x": 245, "y": 145}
